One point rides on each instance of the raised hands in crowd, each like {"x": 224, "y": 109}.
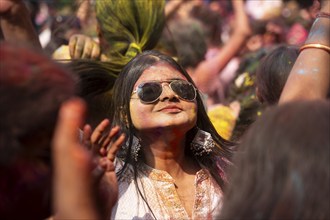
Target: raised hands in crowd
{"x": 156, "y": 155}
{"x": 80, "y": 167}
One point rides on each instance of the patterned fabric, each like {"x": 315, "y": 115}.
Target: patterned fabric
{"x": 159, "y": 190}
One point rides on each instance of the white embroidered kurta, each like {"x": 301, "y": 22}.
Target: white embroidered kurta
{"x": 159, "y": 191}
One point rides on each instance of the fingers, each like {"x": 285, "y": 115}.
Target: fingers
{"x": 76, "y": 46}
{"x": 79, "y": 47}
{"x": 106, "y": 164}
{"x": 96, "y": 51}
{"x": 72, "y": 45}
{"x": 106, "y": 145}
{"x": 107, "y": 139}
{"x": 88, "y": 46}
{"x": 103, "y": 165}
{"x": 98, "y": 132}
{"x": 87, "y": 133}
{"x": 91, "y": 49}
{"x": 115, "y": 147}
{"x": 83, "y": 47}
{"x": 111, "y": 141}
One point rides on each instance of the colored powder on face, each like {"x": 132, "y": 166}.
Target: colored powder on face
{"x": 301, "y": 71}
{"x": 315, "y": 70}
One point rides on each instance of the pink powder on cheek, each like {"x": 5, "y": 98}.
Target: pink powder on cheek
{"x": 140, "y": 113}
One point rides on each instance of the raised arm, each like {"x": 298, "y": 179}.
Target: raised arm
{"x": 73, "y": 196}
{"x": 310, "y": 75}
{"x": 16, "y": 24}
{"x": 75, "y": 173}
{"x": 208, "y": 69}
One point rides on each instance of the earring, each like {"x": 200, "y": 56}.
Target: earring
{"x": 136, "y": 146}
{"x": 202, "y": 143}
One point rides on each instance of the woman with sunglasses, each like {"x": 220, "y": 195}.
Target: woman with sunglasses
{"x": 173, "y": 163}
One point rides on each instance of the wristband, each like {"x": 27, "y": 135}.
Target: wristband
{"x": 315, "y": 46}
{"x": 323, "y": 15}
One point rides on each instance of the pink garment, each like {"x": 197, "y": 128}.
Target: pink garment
{"x": 297, "y": 35}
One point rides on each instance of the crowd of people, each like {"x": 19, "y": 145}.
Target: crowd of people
{"x": 155, "y": 109}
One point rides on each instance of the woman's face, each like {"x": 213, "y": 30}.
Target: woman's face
{"x": 168, "y": 111}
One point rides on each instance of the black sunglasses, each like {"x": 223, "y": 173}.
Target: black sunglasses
{"x": 150, "y": 92}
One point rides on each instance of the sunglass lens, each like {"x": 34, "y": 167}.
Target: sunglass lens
{"x": 149, "y": 92}
{"x": 184, "y": 89}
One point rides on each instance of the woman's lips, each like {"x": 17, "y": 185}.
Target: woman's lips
{"x": 171, "y": 108}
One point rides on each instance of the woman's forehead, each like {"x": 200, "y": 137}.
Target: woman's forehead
{"x": 160, "y": 72}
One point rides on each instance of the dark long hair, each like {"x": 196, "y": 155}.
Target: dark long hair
{"x": 282, "y": 167}
{"x": 273, "y": 72}
{"x": 120, "y": 113}
{"x": 95, "y": 80}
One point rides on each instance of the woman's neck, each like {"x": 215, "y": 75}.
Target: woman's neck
{"x": 167, "y": 152}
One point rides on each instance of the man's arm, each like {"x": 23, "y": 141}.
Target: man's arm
{"x": 310, "y": 75}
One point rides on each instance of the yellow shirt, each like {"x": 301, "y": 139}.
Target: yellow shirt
{"x": 223, "y": 119}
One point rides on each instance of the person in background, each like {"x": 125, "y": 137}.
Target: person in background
{"x": 122, "y": 36}
{"x": 125, "y": 29}
{"x": 265, "y": 88}
{"x": 272, "y": 73}
{"x": 207, "y": 70}
{"x": 188, "y": 38}
{"x": 281, "y": 169}
{"x": 33, "y": 89}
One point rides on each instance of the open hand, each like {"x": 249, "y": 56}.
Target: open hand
{"x": 79, "y": 181}
{"x": 83, "y": 47}
{"x": 73, "y": 193}
{"x": 102, "y": 142}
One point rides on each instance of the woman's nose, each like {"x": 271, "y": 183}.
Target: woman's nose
{"x": 167, "y": 93}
